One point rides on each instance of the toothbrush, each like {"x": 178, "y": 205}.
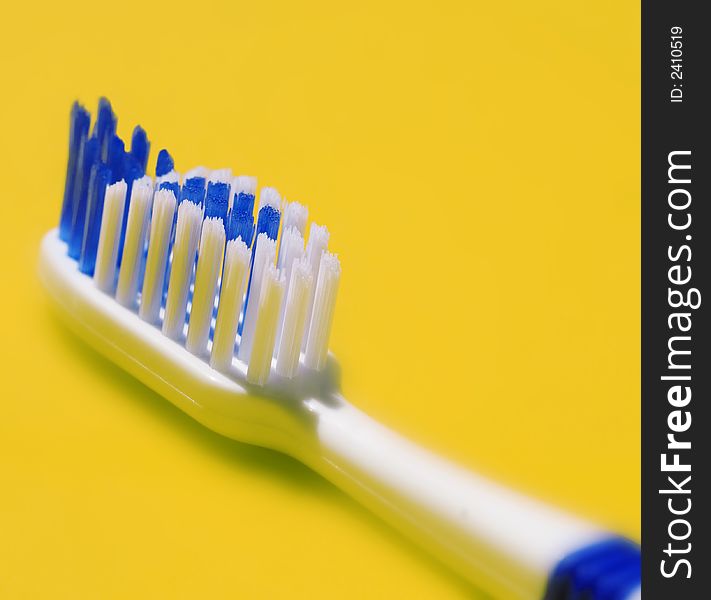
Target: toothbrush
{"x": 280, "y": 388}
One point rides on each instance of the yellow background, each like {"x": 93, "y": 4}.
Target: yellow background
{"x": 477, "y": 165}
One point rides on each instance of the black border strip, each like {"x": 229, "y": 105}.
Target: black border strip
{"x": 675, "y": 126}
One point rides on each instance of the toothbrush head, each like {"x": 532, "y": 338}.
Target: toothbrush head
{"x": 190, "y": 297}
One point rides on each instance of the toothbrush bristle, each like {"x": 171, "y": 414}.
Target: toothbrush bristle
{"x": 212, "y": 249}
{"x": 205, "y": 271}
{"x": 171, "y": 176}
{"x": 200, "y": 172}
{"x": 291, "y": 249}
{"x": 104, "y": 127}
{"x": 293, "y": 324}
{"x": 157, "y": 258}
{"x": 132, "y": 171}
{"x": 242, "y": 195}
{"x": 269, "y": 197}
{"x": 315, "y": 247}
{"x": 329, "y": 276}
{"x": 107, "y": 252}
{"x": 88, "y": 156}
{"x": 78, "y": 130}
{"x": 270, "y": 299}
{"x": 234, "y": 278}
{"x": 116, "y": 158}
{"x": 171, "y": 182}
{"x": 187, "y": 237}
{"x": 164, "y": 163}
{"x": 137, "y": 221}
{"x": 140, "y": 147}
{"x": 98, "y": 180}
{"x": 244, "y": 203}
{"x": 268, "y": 221}
{"x": 264, "y": 255}
{"x": 240, "y": 222}
{"x": 193, "y": 187}
{"x": 295, "y": 215}
{"x": 217, "y": 200}
{"x": 245, "y": 184}
{"x": 220, "y": 176}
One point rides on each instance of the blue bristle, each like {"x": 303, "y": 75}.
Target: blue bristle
{"x": 88, "y": 156}
{"x": 116, "y": 158}
{"x": 78, "y": 131}
{"x": 193, "y": 190}
{"x": 99, "y": 179}
{"x": 104, "y": 127}
{"x": 164, "y": 163}
{"x": 217, "y": 200}
{"x": 241, "y": 220}
{"x": 132, "y": 170}
{"x": 268, "y": 221}
{"x": 140, "y": 147}
{"x": 240, "y": 224}
{"x": 244, "y": 203}
{"x": 173, "y": 186}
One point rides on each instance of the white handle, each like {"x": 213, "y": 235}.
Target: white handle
{"x": 497, "y": 538}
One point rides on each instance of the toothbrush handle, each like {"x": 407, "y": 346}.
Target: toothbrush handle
{"x": 509, "y": 544}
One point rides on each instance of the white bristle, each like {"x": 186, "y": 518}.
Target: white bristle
{"x": 324, "y": 307}
{"x": 234, "y": 278}
{"x": 316, "y": 246}
{"x": 295, "y": 215}
{"x": 161, "y": 228}
{"x": 298, "y": 295}
{"x": 264, "y": 254}
{"x": 197, "y": 172}
{"x": 170, "y": 177}
{"x": 187, "y": 236}
{"x": 220, "y": 176}
{"x": 109, "y": 236}
{"x": 245, "y": 184}
{"x": 268, "y": 196}
{"x": 270, "y": 300}
{"x": 290, "y": 250}
{"x": 212, "y": 247}
{"x": 139, "y": 211}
